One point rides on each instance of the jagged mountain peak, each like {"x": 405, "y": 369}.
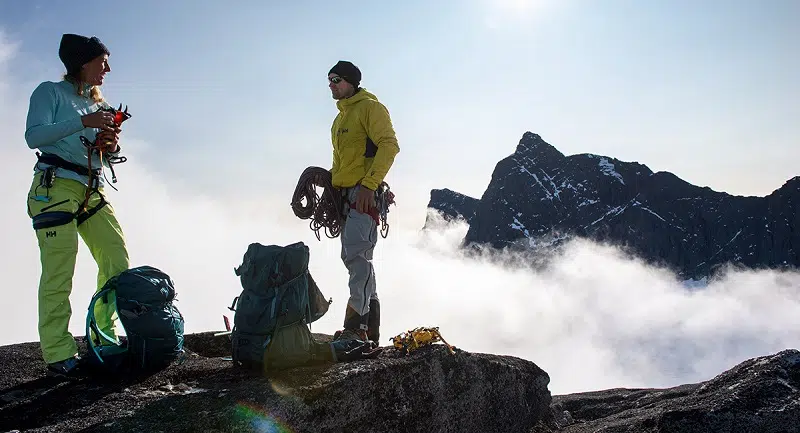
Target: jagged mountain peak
{"x": 452, "y": 205}
{"x": 614, "y": 167}
{"x": 531, "y": 145}
{"x": 538, "y": 158}
{"x": 538, "y": 191}
{"x": 792, "y": 184}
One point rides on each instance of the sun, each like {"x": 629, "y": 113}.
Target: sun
{"x": 503, "y": 12}
{"x": 517, "y": 5}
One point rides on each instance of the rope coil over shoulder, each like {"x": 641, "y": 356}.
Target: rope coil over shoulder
{"x": 325, "y": 211}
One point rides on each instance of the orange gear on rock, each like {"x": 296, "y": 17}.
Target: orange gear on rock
{"x": 422, "y": 336}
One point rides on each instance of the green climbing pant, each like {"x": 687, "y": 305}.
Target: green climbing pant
{"x": 52, "y": 206}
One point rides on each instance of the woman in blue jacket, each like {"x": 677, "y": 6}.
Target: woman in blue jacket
{"x": 66, "y": 196}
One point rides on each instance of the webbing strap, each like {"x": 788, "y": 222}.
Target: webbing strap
{"x": 59, "y": 162}
{"x": 56, "y": 161}
{"x": 91, "y": 325}
{"x": 83, "y": 216}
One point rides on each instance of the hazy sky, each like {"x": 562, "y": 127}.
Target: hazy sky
{"x": 230, "y": 104}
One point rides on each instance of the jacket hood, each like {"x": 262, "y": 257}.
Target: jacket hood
{"x": 361, "y": 95}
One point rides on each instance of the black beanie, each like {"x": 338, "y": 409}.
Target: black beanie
{"x": 348, "y": 71}
{"x": 77, "y": 50}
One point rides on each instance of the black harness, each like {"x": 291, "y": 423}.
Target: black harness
{"x": 56, "y": 218}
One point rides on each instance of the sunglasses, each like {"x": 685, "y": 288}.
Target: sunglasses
{"x": 336, "y": 80}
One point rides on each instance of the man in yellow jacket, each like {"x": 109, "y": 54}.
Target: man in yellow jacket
{"x": 364, "y": 148}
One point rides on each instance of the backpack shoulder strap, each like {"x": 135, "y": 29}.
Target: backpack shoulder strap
{"x": 91, "y": 326}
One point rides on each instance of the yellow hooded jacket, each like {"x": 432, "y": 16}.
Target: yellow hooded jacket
{"x": 364, "y": 142}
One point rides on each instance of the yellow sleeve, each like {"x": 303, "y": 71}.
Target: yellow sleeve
{"x": 380, "y": 130}
{"x": 335, "y": 162}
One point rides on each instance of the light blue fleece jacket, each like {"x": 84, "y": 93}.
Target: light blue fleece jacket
{"x": 54, "y": 126}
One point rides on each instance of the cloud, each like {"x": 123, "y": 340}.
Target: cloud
{"x": 593, "y": 319}
{"x": 596, "y": 318}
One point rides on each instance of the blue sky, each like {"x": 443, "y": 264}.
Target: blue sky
{"x": 230, "y": 104}
{"x": 704, "y": 89}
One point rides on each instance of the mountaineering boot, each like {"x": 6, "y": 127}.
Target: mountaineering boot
{"x": 66, "y": 368}
{"x": 350, "y": 335}
{"x": 355, "y": 327}
{"x": 374, "y": 321}
{"x": 352, "y": 342}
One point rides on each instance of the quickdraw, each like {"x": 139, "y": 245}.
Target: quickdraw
{"x": 418, "y": 337}
{"x": 385, "y": 198}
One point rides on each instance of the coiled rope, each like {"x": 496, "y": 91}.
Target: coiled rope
{"x": 324, "y": 211}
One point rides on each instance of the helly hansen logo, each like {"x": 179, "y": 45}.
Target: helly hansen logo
{"x": 341, "y": 131}
{"x": 50, "y": 234}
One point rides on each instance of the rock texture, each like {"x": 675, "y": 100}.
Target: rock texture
{"x": 538, "y": 198}
{"x": 453, "y": 205}
{"x": 760, "y": 395}
{"x": 429, "y": 390}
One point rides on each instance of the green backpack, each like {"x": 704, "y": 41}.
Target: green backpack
{"x": 153, "y": 326}
{"x": 273, "y": 313}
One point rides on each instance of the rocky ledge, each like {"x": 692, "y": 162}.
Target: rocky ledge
{"x": 760, "y": 395}
{"x": 427, "y": 390}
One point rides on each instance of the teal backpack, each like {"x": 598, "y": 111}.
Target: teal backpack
{"x": 278, "y": 302}
{"x": 153, "y": 326}
{"x": 272, "y": 315}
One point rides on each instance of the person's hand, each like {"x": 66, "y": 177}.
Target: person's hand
{"x": 365, "y": 199}
{"x": 99, "y": 119}
{"x": 107, "y": 140}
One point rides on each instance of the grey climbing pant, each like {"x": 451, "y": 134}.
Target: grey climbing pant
{"x": 359, "y": 236}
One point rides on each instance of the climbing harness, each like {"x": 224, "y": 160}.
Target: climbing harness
{"x": 93, "y": 174}
{"x": 418, "y": 337}
{"x": 325, "y": 211}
